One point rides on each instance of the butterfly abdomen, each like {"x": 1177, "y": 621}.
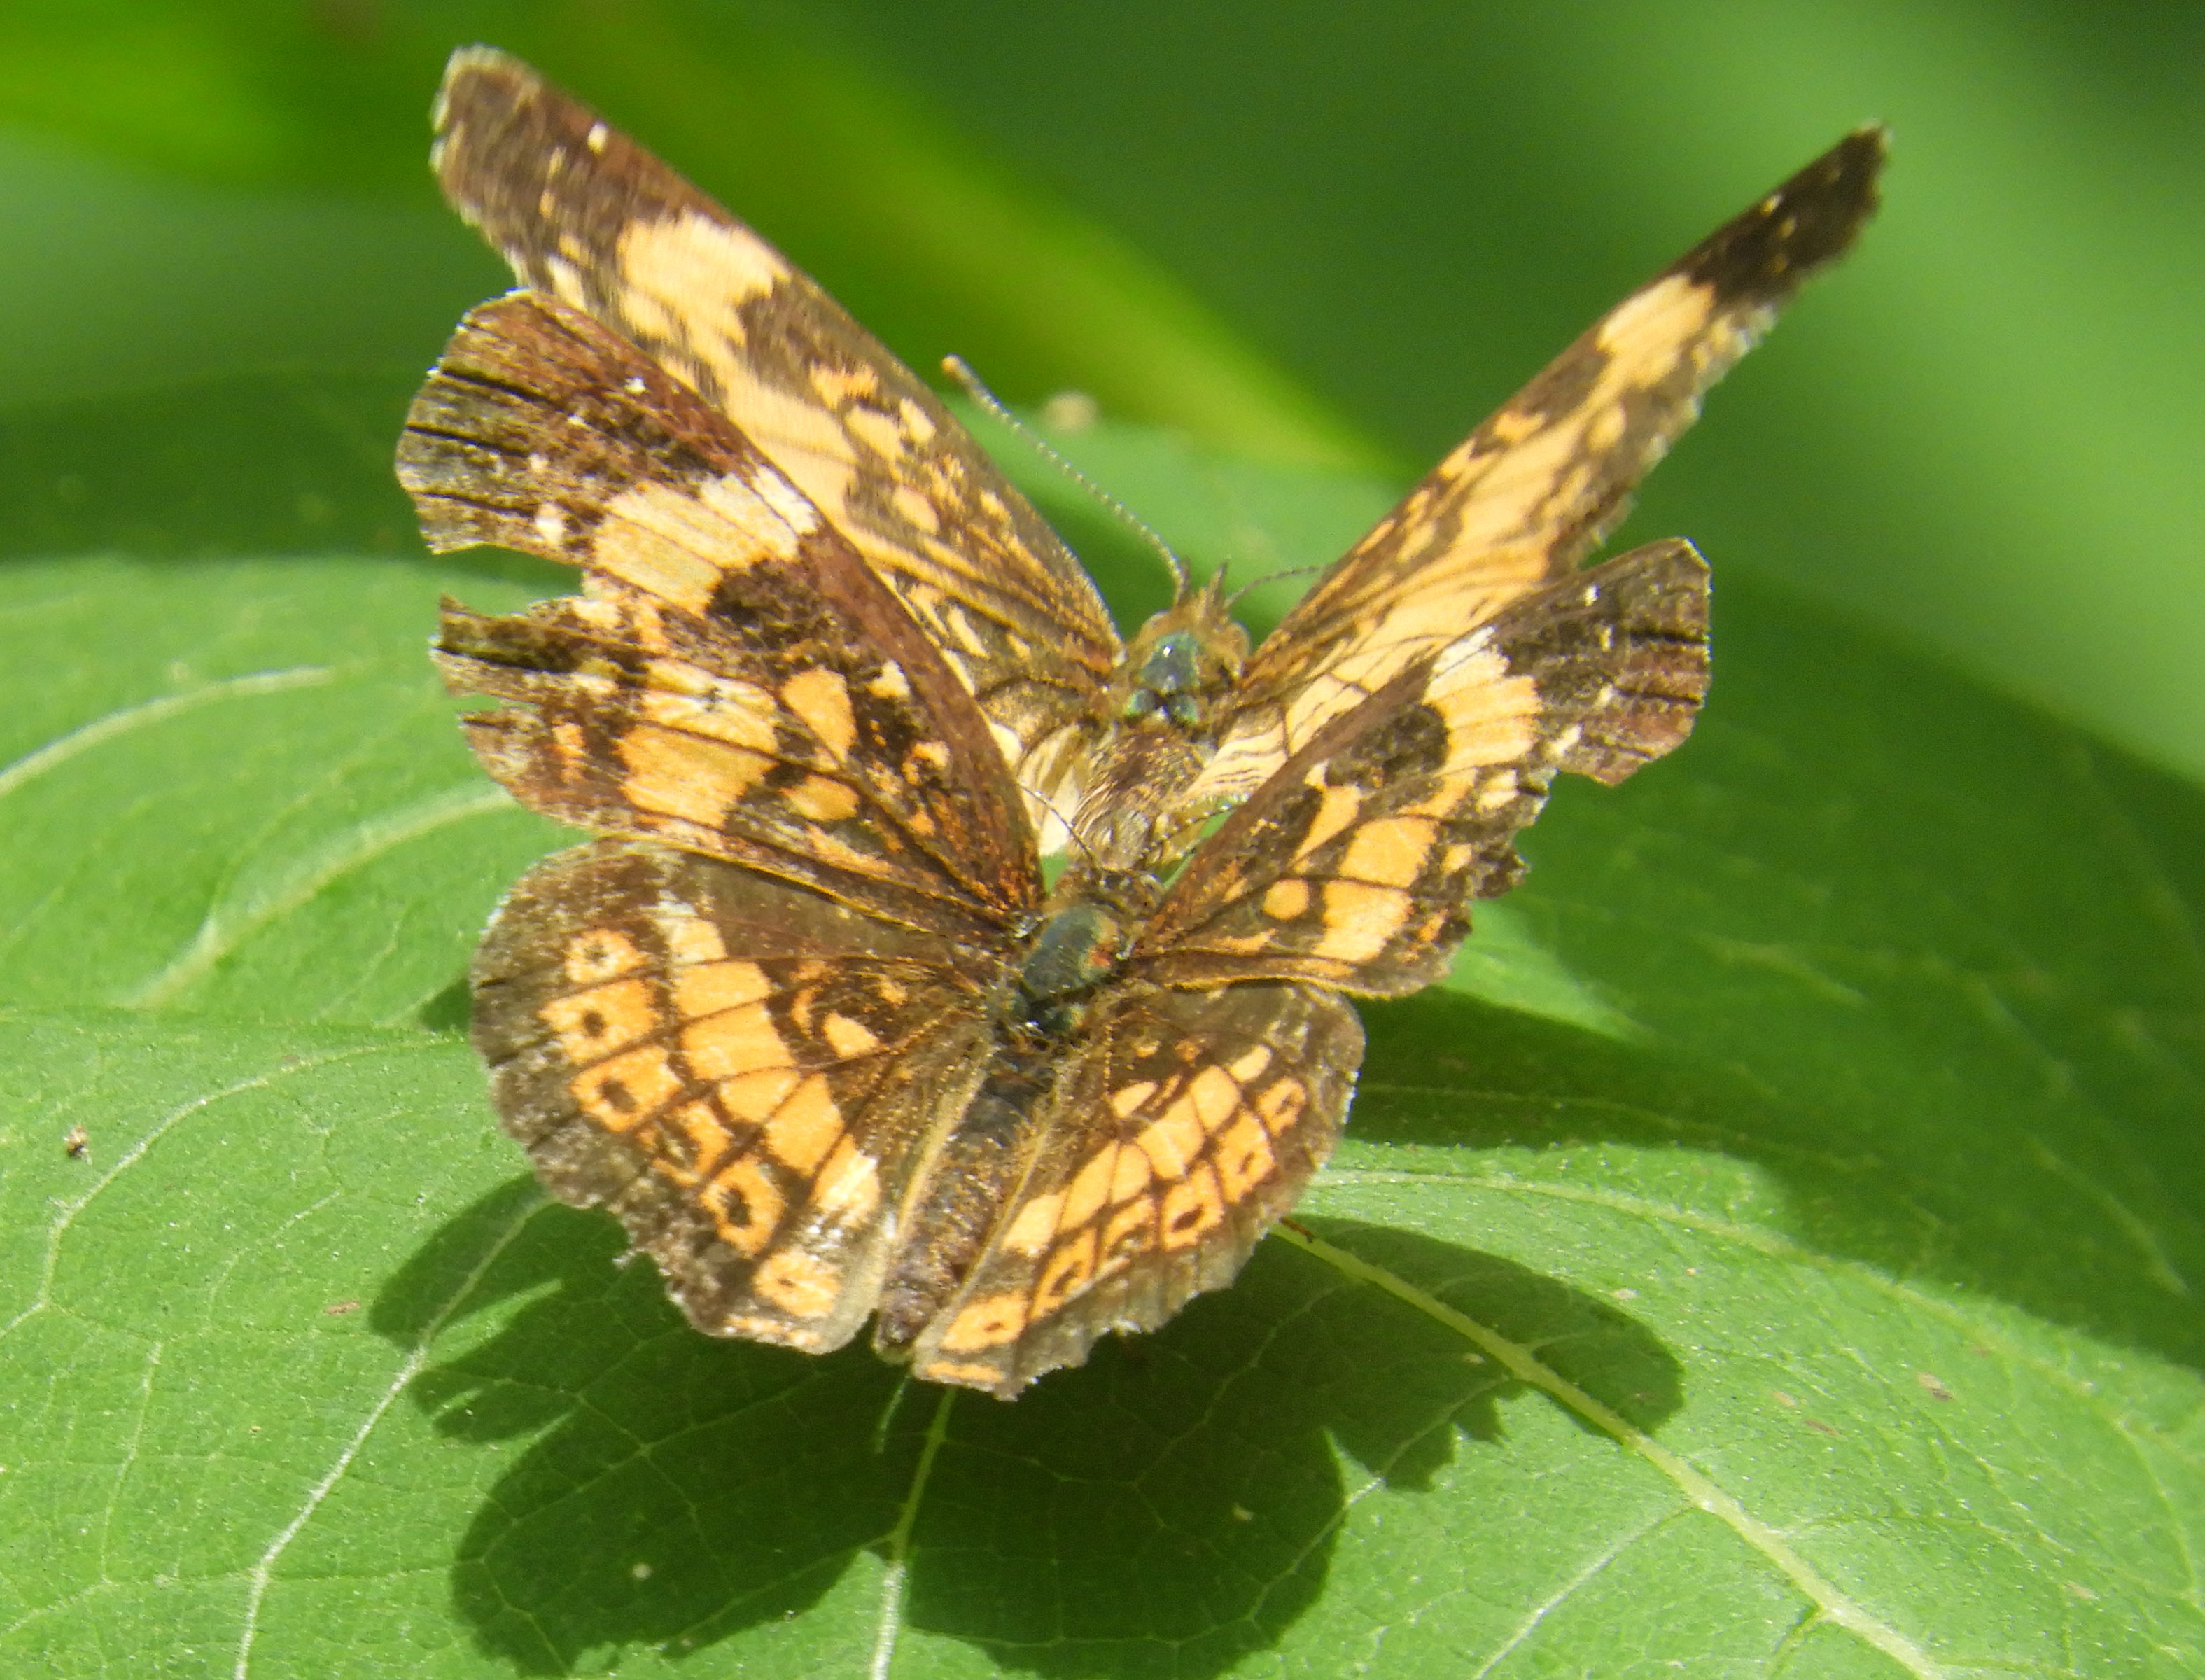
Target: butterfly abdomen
{"x": 962, "y": 1192}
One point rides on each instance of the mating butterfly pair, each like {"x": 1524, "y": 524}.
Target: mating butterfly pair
{"x": 809, "y": 1017}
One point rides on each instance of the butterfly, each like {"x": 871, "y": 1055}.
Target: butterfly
{"x": 808, "y": 1015}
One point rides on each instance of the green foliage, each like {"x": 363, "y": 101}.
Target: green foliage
{"x": 1776, "y": 1252}
{"x": 1983, "y": 435}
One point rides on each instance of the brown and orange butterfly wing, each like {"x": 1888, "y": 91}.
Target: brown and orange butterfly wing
{"x": 1352, "y": 865}
{"x": 734, "y": 679}
{"x": 586, "y": 216}
{"x": 1178, "y": 1127}
{"x": 750, "y": 1076}
{"x": 1529, "y": 494}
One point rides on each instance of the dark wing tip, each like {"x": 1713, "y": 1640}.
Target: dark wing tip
{"x": 474, "y": 73}
{"x": 1810, "y": 220}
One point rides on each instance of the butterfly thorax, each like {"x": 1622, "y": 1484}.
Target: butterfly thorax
{"x": 1072, "y": 952}
{"x": 1173, "y": 685}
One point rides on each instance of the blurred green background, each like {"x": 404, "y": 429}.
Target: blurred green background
{"x": 1316, "y": 235}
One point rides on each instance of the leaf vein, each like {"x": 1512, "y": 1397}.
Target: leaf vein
{"x": 85, "y": 736}
{"x": 1704, "y": 1494}
{"x": 227, "y": 927}
{"x": 417, "y": 1356}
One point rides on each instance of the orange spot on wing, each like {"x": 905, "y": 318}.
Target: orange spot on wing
{"x": 821, "y": 799}
{"x": 1068, "y": 1271}
{"x": 692, "y": 939}
{"x": 1282, "y": 1105}
{"x": 745, "y": 1205}
{"x": 1390, "y": 850}
{"x": 821, "y": 701}
{"x": 1336, "y": 809}
{"x": 848, "y": 1037}
{"x": 1129, "y": 1229}
{"x": 1359, "y": 920}
{"x": 735, "y": 1042}
{"x": 807, "y": 1126}
{"x": 989, "y": 1321}
{"x": 1244, "y": 1158}
{"x": 1173, "y": 1140}
{"x": 681, "y": 775}
{"x": 593, "y": 1024}
{"x": 803, "y": 1286}
{"x": 968, "y": 1372}
{"x": 1251, "y": 1063}
{"x": 1191, "y": 1209}
{"x": 848, "y": 1189}
{"x": 712, "y": 988}
{"x": 1215, "y": 1094}
{"x": 600, "y": 954}
{"x": 1035, "y": 1223}
{"x": 1128, "y": 1099}
{"x": 707, "y": 1141}
{"x": 619, "y": 1094}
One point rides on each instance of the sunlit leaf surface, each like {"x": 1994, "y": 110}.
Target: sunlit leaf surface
{"x": 1775, "y": 1254}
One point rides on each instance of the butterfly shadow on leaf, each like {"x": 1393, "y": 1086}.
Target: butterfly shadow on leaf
{"x": 1173, "y": 1504}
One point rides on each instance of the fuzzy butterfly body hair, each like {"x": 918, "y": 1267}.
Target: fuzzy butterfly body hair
{"x": 806, "y": 1015}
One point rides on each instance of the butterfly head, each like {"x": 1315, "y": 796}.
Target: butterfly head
{"x": 1184, "y": 664}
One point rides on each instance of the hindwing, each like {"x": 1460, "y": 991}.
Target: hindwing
{"x": 1353, "y": 865}
{"x": 748, "y": 1074}
{"x": 1172, "y": 1134}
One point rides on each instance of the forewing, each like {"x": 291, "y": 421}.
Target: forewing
{"x": 743, "y": 1071}
{"x": 1183, "y": 1126}
{"x": 585, "y": 214}
{"x": 1353, "y": 865}
{"x": 735, "y": 680}
{"x": 1533, "y": 489}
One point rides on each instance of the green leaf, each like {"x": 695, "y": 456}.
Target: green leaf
{"x": 1776, "y": 1252}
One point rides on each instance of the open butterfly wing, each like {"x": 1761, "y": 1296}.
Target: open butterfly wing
{"x": 747, "y": 1074}
{"x": 735, "y": 680}
{"x": 1532, "y": 490}
{"x": 1353, "y": 864}
{"x": 585, "y": 214}
{"x": 1179, "y": 1127}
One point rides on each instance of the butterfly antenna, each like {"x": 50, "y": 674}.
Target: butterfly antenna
{"x": 961, "y": 371}
{"x": 1251, "y": 587}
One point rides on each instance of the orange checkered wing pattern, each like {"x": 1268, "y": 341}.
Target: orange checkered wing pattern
{"x": 1531, "y": 492}
{"x": 748, "y": 1074}
{"x": 734, "y": 679}
{"x": 1353, "y": 865}
{"x": 587, "y": 216}
{"x": 1179, "y": 1126}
